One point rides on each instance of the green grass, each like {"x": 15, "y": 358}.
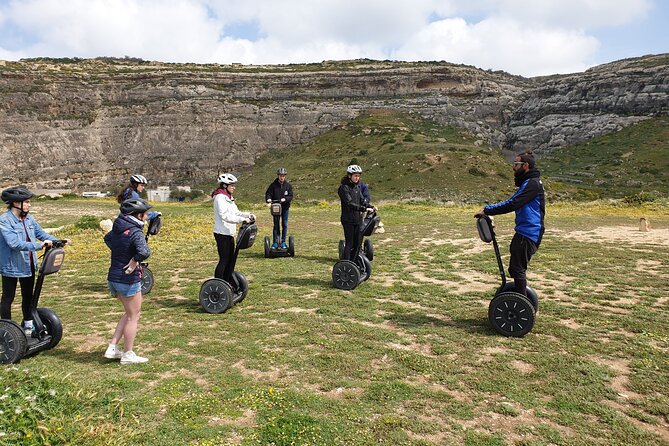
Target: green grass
{"x": 405, "y": 359}
{"x": 620, "y": 164}
{"x": 403, "y": 157}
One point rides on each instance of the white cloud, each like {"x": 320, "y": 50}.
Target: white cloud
{"x": 519, "y": 36}
{"x": 501, "y": 44}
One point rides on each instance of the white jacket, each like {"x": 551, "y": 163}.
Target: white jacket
{"x": 227, "y": 215}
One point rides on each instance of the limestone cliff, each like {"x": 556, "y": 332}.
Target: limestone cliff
{"x": 90, "y": 123}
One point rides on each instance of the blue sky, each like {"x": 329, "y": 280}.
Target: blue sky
{"x": 526, "y": 37}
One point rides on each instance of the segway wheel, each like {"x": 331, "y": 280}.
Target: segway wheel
{"x": 291, "y": 245}
{"x": 531, "y": 294}
{"x": 240, "y": 286}
{"x": 368, "y": 248}
{"x": 267, "y": 246}
{"x": 13, "y": 342}
{"x": 342, "y": 244}
{"x": 511, "y": 314}
{"x": 52, "y": 325}
{"x": 215, "y": 296}
{"x": 147, "y": 281}
{"x": 345, "y": 275}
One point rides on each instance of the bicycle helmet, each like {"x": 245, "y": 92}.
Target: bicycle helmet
{"x": 227, "y": 178}
{"x": 139, "y": 179}
{"x": 16, "y": 194}
{"x": 353, "y": 168}
{"x": 282, "y": 171}
{"x": 134, "y": 205}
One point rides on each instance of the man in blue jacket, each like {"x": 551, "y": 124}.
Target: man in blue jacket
{"x": 529, "y": 204}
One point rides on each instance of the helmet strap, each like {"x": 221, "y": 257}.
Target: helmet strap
{"x": 22, "y": 213}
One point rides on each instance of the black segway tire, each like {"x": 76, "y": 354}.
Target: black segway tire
{"x": 511, "y": 314}
{"x": 147, "y": 281}
{"x": 240, "y": 287}
{"x": 342, "y": 244}
{"x": 345, "y": 275}
{"x": 531, "y": 294}
{"x": 13, "y": 342}
{"x": 215, "y": 296}
{"x": 52, "y": 325}
{"x": 267, "y": 246}
{"x": 291, "y": 245}
{"x": 368, "y": 248}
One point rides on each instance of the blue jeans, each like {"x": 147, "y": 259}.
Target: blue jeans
{"x": 284, "y": 226}
{"x": 124, "y": 289}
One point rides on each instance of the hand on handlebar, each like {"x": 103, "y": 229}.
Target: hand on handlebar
{"x": 283, "y": 200}
{"x": 480, "y": 214}
{"x": 47, "y": 244}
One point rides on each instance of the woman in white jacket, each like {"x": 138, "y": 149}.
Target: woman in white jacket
{"x": 226, "y": 218}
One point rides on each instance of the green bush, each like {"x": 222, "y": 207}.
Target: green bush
{"x": 88, "y": 222}
{"x": 640, "y": 198}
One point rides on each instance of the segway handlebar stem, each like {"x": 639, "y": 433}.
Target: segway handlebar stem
{"x": 485, "y": 226}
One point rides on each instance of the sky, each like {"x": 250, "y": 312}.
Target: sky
{"x": 524, "y": 37}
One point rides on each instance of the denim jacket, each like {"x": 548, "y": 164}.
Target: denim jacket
{"x": 15, "y": 249}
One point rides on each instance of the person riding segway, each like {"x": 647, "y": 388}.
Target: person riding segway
{"x": 354, "y": 267}
{"x": 528, "y": 202}
{"x": 279, "y": 196}
{"x": 134, "y": 190}
{"x": 41, "y": 329}
{"x": 228, "y": 287}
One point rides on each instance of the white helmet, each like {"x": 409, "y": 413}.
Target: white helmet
{"x": 353, "y": 168}
{"x": 227, "y": 178}
{"x": 139, "y": 179}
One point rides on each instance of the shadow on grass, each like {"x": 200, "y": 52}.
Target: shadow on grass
{"x": 93, "y": 357}
{"x": 94, "y": 287}
{"x": 325, "y": 282}
{"x": 189, "y": 305}
{"x": 470, "y": 325}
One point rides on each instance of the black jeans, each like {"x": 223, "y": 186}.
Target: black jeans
{"x": 353, "y": 238}
{"x": 9, "y": 293}
{"x": 226, "y": 249}
{"x": 522, "y": 249}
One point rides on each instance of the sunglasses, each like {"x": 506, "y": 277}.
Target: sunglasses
{"x": 518, "y": 163}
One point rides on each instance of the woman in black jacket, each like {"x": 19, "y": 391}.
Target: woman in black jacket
{"x": 352, "y": 207}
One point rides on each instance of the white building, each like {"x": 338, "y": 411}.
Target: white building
{"x": 161, "y": 194}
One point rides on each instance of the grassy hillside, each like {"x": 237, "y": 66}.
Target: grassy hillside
{"x": 403, "y": 156}
{"x": 633, "y": 160}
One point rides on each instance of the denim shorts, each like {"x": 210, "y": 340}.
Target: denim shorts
{"x": 124, "y": 289}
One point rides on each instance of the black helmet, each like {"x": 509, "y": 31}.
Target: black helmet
{"x": 134, "y": 205}
{"x": 282, "y": 171}
{"x": 16, "y": 194}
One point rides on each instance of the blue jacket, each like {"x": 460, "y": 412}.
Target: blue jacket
{"x": 126, "y": 241}
{"x": 529, "y": 204}
{"x": 15, "y": 249}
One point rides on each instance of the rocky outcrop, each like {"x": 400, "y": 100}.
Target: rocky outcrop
{"x": 90, "y": 123}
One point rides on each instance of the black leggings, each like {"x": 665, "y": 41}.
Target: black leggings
{"x": 522, "y": 249}
{"x": 9, "y": 292}
{"x": 226, "y": 249}
{"x": 353, "y": 239}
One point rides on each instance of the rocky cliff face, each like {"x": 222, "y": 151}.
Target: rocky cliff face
{"x": 92, "y": 123}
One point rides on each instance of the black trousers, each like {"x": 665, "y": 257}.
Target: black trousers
{"x": 353, "y": 238}
{"x": 522, "y": 249}
{"x": 9, "y": 293}
{"x": 226, "y": 249}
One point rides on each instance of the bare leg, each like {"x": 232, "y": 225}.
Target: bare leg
{"x": 127, "y": 325}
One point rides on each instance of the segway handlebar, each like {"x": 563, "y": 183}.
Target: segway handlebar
{"x": 57, "y": 244}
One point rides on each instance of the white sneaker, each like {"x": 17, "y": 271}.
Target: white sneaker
{"x": 131, "y": 358}
{"x": 113, "y": 353}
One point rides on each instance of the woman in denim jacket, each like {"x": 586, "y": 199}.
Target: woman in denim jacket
{"x": 18, "y": 252}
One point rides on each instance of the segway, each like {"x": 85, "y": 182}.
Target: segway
{"x": 48, "y": 329}
{"x": 509, "y": 313}
{"x": 347, "y": 274}
{"x": 217, "y": 295}
{"x": 147, "y": 276}
{"x": 270, "y": 253}
{"x": 367, "y": 247}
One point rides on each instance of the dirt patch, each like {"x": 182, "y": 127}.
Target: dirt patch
{"x": 522, "y": 366}
{"x": 472, "y": 282}
{"x": 248, "y": 419}
{"x": 570, "y": 323}
{"x": 272, "y": 374}
{"x": 298, "y": 310}
{"x": 629, "y": 235}
{"x": 662, "y": 431}
{"x": 508, "y": 425}
{"x": 620, "y": 382}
